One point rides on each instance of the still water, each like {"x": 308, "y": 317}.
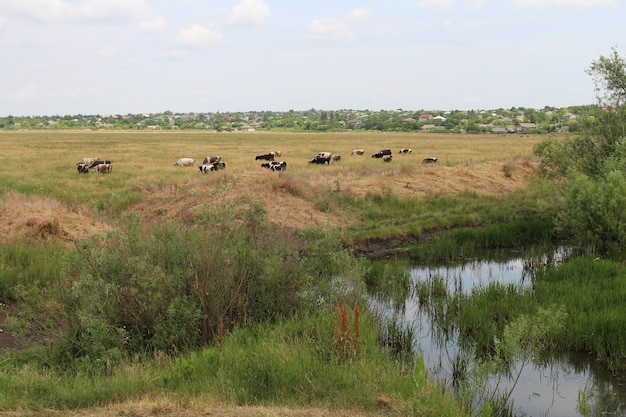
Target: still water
{"x": 566, "y": 386}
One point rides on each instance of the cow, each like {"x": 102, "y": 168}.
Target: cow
{"x": 382, "y": 153}
{"x": 321, "y": 158}
{"x": 406, "y": 150}
{"x": 87, "y": 161}
{"x": 95, "y": 163}
{"x": 268, "y": 156}
{"x": 275, "y": 165}
{"x": 336, "y": 158}
{"x": 185, "y": 162}
{"x": 204, "y": 168}
{"x": 82, "y": 168}
{"x": 429, "y": 160}
{"x": 104, "y": 168}
{"x": 387, "y": 158}
{"x": 211, "y": 159}
{"x": 358, "y": 152}
{"x": 217, "y": 165}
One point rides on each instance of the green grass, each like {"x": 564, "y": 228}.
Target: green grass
{"x": 592, "y": 293}
{"x": 295, "y": 363}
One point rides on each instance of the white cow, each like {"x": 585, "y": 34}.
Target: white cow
{"x": 185, "y": 162}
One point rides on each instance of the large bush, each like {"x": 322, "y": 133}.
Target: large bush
{"x": 177, "y": 287}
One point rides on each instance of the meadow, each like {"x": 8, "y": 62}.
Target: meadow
{"x": 43, "y": 165}
{"x": 259, "y": 239}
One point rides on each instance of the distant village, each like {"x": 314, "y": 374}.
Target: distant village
{"x": 498, "y": 121}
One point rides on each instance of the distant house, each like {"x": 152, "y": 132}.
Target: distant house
{"x": 424, "y": 117}
{"x": 522, "y": 127}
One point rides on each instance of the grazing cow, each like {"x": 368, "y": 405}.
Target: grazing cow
{"x": 82, "y": 168}
{"x": 321, "y": 158}
{"x": 185, "y": 162}
{"x": 336, "y": 158}
{"x": 406, "y": 150}
{"x": 382, "y": 153}
{"x": 204, "y": 168}
{"x": 275, "y": 165}
{"x": 358, "y": 152}
{"x": 87, "y": 161}
{"x": 95, "y": 164}
{"x": 387, "y": 158}
{"x": 429, "y": 160}
{"x": 268, "y": 156}
{"x": 211, "y": 159}
{"x": 217, "y": 165}
{"x": 104, "y": 168}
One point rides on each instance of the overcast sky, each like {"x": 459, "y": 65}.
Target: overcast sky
{"x": 144, "y": 56}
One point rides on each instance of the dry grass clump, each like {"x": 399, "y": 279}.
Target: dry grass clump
{"x": 43, "y": 218}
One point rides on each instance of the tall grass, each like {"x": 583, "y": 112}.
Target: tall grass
{"x": 464, "y": 243}
{"x": 593, "y": 293}
{"x": 28, "y": 264}
{"x": 293, "y": 362}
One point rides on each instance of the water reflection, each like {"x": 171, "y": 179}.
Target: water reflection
{"x": 563, "y": 386}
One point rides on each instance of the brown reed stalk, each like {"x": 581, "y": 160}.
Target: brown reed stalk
{"x": 220, "y": 333}
{"x": 357, "y": 334}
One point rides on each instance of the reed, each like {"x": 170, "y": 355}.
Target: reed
{"x": 464, "y": 243}
{"x": 592, "y": 292}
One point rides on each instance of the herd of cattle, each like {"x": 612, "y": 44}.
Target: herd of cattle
{"x": 215, "y": 163}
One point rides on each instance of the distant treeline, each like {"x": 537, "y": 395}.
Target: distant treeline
{"x": 502, "y": 121}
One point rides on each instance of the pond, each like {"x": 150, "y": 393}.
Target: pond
{"x": 564, "y": 386}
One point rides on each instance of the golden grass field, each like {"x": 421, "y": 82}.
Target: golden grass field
{"x": 43, "y": 193}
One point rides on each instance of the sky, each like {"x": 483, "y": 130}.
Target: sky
{"x": 69, "y": 57}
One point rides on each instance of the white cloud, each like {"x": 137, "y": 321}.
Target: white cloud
{"x": 198, "y": 35}
{"x": 330, "y": 29}
{"x": 337, "y": 29}
{"x": 250, "y": 11}
{"x": 26, "y": 92}
{"x": 564, "y": 3}
{"x": 359, "y": 14}
{"x": 436, "y": 4}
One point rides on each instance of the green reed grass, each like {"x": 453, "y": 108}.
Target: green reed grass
{"x": 593, "y": 293}
{"x": 26, "y": 264}
{"x": 464, "y": 243}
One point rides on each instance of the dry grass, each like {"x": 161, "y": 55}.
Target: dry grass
{"x": 167, "y": 407}
{"x": 60, "y": 198}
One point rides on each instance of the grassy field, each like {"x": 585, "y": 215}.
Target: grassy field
{"x": 41, "y": 165}
{"x": 43, "y": 199}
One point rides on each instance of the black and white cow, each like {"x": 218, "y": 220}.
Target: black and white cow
{"x": 322, "y": 158}
{"x": 275, "y": 165}
{"x": 429, "y": 160}
{"x": 382, "y": 153}
{"x": 387, "y": 158}
{"x": 406, "y": 150}
{"x": 82, "y": 168}
{"x": 217, "y": 165}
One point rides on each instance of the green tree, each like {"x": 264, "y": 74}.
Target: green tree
{"x": 589, "y": 167}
